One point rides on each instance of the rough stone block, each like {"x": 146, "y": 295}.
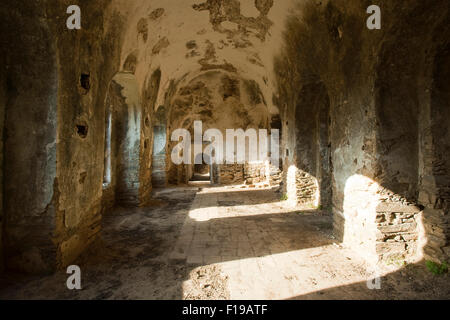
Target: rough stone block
{"x": 405, "y": 227}
{"x": 71, "y": 249}
{"x": 390, "y": 247}
{"x": 396, "y": 207}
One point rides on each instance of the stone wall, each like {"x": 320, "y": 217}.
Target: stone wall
{"x": 248, "y": 173}
{"x": 108, "y": 199}
{"x": 131, "y": 139}
{"x": 128, "y": 133}
{"x": 30, "y": 136}
{"x": 383, "y": 129}
{"x": 159, "y": 177}
{"x": 82, "y": 90}
{"x": 307, "y": 148}
{"x": 275, "y": 175}
{"x": 307, "y": 191}
{"x": 54, "y": 185}
{"x": 256, "y": 173}
{"x": 159, "y": 171}
{"x": 301, "y": 188}
{"x": 398, "y": 231}
{"x": 149, "y": 96}
{"x": 231, "y": 174}
{"x": 364, "y": 116}
{"x": 436, "y": 193}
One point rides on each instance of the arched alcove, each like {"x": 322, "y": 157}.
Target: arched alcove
{"x": 159, "y": 149}
{"x": 123, "y": 140}
{"x": 312, "y": 185}
{"x": 201, "y": 168}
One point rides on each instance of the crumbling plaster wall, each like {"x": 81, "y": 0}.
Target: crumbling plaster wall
{"x": 159, "y": 148}
{"x": 57, "y": 81}
{"x": 138, "y": 37}
{"x": 125, "y": 102}
{"x": 132, "y": 139}
{"x": 80, "y": 159}
{"x": 368, "y": 75}
{"x": 55, "y": 108}
{"x": 308, "y": 182}
{"x": 185, "y": 39}
{"x": 30, "y": 135}
{"x": 147, "y": 135}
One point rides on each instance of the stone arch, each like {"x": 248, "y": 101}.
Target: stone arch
{"x": 310, "y": 181}
{"x": 221, "y": 100}
{"x": 124, "y": 101}
{"x": 150, "y": 95}
{"x": 201, "y": 171}
{"x": 159, "y": 148}
{"x": 131, "y": 62}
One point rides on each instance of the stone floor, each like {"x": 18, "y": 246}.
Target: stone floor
{"x": 203, "y": 242}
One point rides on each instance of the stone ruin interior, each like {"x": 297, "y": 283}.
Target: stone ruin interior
{"x": 361, "y": 193}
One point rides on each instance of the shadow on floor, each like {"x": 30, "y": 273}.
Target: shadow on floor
{"x": 132, "y": 258}
{"x": 411, "y": 282}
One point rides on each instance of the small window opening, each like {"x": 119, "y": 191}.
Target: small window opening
{"x": 82, "y": 131}
{"x": 85, "y": 81}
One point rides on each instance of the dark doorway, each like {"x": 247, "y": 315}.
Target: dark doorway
{"x": 201, "y": 172}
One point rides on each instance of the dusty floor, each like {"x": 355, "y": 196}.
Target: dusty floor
{"x": 220, "y": 243}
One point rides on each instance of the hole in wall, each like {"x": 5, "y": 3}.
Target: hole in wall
{"x": 85, "y": 81}
{"x": 191, "y": 44}
{"x": 82, "y": 130}
{"x": 83, "y": 176}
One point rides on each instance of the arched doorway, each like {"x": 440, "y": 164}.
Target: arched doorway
{"x": 313, "y": 147}
{"x": 122, "y": 140}
{"x": 202, "y": 168}
{"x": 159, "y": 149}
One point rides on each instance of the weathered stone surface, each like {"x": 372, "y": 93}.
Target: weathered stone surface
{"x": 405, "y": 227}
{"x": 374, "y": 118}
{"x": 160, "y": 45}
{"x": 231, "y": 174}
{"x": 86, "y": 115}
{"x": 396, "y": 207}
